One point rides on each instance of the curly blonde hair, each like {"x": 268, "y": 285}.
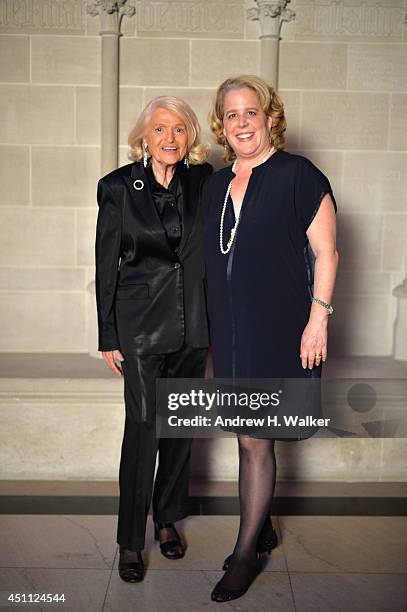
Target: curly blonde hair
{"x": 197, "y": 152}
{"x": 270, "y": 102}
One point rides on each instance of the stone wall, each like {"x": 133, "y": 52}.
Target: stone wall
{"x": 343, "y": 77}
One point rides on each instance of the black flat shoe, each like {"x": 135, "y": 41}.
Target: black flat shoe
{"x": 131, "y": 571}
{"x": 266, "y": 543}
{"x": 221, "y": 594}
{"x": 171, "y": 549}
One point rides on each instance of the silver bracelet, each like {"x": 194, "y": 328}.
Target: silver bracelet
{"x": 327, "y": 307}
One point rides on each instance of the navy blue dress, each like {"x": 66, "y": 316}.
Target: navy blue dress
{"x": 259, "y": 295}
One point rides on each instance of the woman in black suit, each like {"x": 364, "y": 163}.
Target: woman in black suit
{"x": 151, "y": 311}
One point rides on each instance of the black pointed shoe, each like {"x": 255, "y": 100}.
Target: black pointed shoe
{"x": 266, "y": 543}
{"x": 132, "y": 571}
{"x": 172, "y": 549}
{"x": 221, "y": 594}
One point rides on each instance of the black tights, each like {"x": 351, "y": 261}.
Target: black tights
{"x": 257, "y": 479}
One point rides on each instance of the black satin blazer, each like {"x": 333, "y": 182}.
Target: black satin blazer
{"x": 150, "y": 299}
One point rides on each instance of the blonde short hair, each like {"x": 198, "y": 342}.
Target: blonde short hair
{"x": 197, "y": 152}
{"x": 270, "y": 102}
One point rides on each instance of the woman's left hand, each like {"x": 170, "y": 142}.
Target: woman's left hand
{"x": 314, "y": 342}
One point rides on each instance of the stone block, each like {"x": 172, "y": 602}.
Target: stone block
{"x": 343, "y": 459}
{"x": 128, "y": 25}
{"x": 42, "y": 321}
{"x": 67, "y": 59}
{"x": 64, "y": 176}
{"x": 92, "y": 25}
{"x": 292, "y": 109}
{"x": 32, "y": 114}
{"x": 14, "y": 59}
{"x": 37, "y": 237}
{"x": 359, "y": 241}
{"x": 214, "y": 457}
{"x": 214, "y": 61}
{"x": 361, "y": 326}
{"x": 14, "y": 175}
{"x": 216, "y": 157}
{"x": 130, "y": 108}
{"x": 42, "y": 17}
{"x": 377, "y": 67}
{"x": 33, "y": 279}
{"x": 89, "y": 272}
{"x": 393, "y": 459}
{"x": 331, "y": 164}
{"x": 92, "y": 410}
{"x": 394, "y": 254}
{"x": 180, "y": 19}
{"x": 92, "y": 449}
{"x": 88, "y": 115}
{"x": 375, "y": 182}
{"x": 316, "y": 459}
{"x": 85, "y": 235}
{"x": 154, "y": 62}
{"x": 344, "y": 120}
{"x": 360, "y": 282}
{"x": 397, "y": 277}
{"x": 312, "y": 66}
{"x": 123, "y": 156}
{"x": 358, "y": 458}
{"x": 251, "y": 27}
{"x": 398, "y": 122}
{"x": 352, "y": 21}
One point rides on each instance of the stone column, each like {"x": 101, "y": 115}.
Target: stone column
{"x": 111, "y": 14}
{"x": 271, "y": 14}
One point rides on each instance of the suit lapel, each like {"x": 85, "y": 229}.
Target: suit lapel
{"x": 139, "y": 189}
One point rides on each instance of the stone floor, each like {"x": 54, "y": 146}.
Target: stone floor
{"x": 340, "y": 563}
{"x": 322, "y": 563}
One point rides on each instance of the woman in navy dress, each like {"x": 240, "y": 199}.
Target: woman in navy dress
{"x": 267, "y": 219}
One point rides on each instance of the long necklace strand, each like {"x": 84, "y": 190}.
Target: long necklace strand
{"x": 233, "y": 231}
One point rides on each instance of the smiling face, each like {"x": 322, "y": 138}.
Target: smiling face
{"x": 245, "y": 125}
{"x": 166, "y": 137}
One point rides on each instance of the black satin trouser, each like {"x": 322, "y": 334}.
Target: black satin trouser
{"x": 140, "y": 446}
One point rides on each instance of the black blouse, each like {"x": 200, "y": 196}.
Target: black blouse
{"x": 168, "y": 202}
{"x": 259, "y": 295}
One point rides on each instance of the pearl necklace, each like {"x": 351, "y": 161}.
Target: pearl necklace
{"x": 222, "y": 216}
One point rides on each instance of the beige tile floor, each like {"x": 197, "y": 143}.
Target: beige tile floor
{"x": 322, "y": 564}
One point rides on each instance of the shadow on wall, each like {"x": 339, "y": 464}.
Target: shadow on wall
{"x": 340, "y": 333}
{"x": 215, "y": 156}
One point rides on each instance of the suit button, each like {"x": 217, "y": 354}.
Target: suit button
{"x": 177, "y": 265}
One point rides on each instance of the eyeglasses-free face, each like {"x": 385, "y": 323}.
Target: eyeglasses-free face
{"x": 166, "y": 137}
{"x": 245, "y": 125}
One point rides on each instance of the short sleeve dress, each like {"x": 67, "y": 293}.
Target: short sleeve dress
{"x": 259, "y": 295}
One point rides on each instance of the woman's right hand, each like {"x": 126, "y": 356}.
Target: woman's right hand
{"x": 111, "y": 358}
